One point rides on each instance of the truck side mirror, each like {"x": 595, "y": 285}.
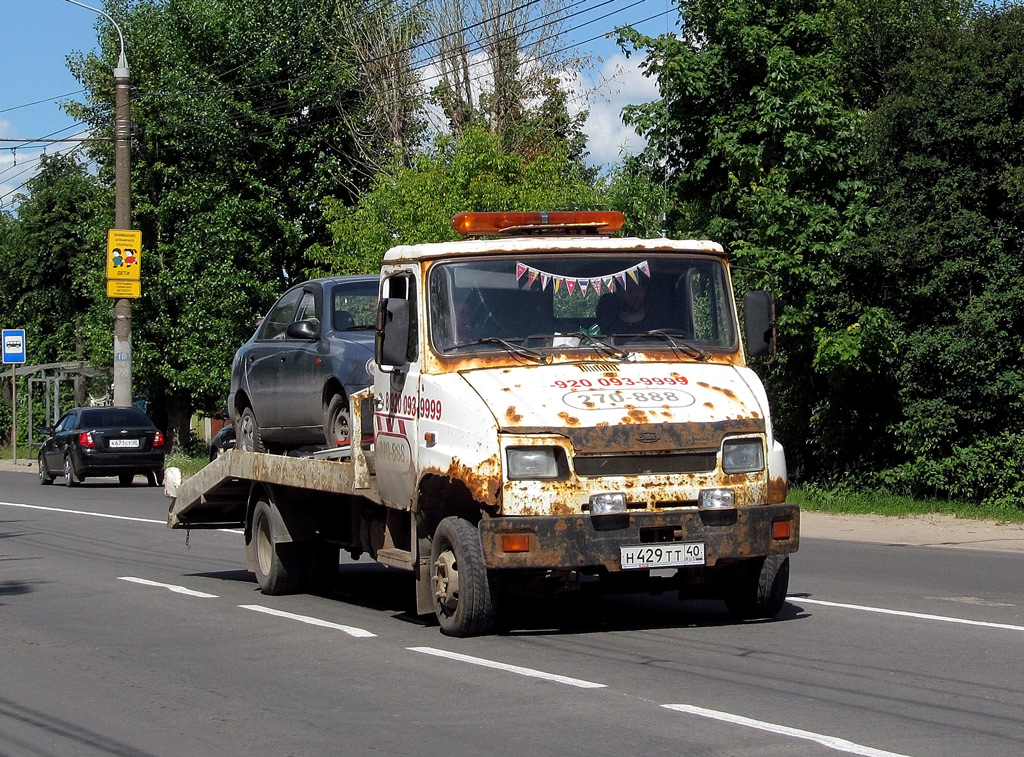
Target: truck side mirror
{"x": 392, "y": 339}
{"x": 759, "y": 323}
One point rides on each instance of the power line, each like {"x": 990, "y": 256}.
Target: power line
{"x": 40, "y": 102}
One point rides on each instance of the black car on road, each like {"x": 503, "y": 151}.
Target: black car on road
{"x": 102, "y": 441}
{"x": 291, "y": 382}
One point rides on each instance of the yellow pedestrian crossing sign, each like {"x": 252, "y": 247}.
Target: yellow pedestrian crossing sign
{"x": 124, "y": 254}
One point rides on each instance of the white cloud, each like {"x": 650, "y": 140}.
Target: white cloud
{"x": 619, "y": 82}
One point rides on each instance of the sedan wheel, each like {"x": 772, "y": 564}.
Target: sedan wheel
{"x": 248, "y": 437}
{"x": 71, "y": 478}
{"x": 337, "y": 426}
{"x": 44, "y": 475}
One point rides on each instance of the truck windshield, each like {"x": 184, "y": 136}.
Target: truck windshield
{"x": 561, "y": 301}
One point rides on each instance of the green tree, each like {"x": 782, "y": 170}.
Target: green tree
{"x": 236, "y": 138}
{"x": 52, "y": 264}
{"x": 416, "y": 204}
{"x": 946, "y": 146}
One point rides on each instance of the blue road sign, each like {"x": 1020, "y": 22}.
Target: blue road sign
{"x": 14, "y": 345}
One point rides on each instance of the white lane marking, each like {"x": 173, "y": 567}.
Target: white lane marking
{"x": 350, "y": 630}
{"x": 578, "y": 682}
{"x": 83, "y": 512}
{"x": 840, "y": 745}
{"x": 906, "y": 614}
{"x": 105, "y": 515}
{"x": 169, "y": 587}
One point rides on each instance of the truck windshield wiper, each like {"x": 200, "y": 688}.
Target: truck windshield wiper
{"x": 512, "y": 348}
{"x": 680, "y": 345}
{"x": 599, "y": 342}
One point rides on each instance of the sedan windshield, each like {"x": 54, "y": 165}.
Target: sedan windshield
{"x": 607, "y": 303}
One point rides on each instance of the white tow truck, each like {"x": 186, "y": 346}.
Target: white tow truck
{"x": 553, "y": 407}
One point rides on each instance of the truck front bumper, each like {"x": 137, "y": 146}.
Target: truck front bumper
{"x": 585, "y": 541}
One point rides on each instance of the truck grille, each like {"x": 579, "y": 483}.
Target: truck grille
{"x": 644, "y": 465}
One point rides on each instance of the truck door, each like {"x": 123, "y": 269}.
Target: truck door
{"x": 397, "y": 398}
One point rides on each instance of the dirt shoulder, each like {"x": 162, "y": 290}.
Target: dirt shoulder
{"x": 922, "y": 531}
{"x": 918, "y": 530}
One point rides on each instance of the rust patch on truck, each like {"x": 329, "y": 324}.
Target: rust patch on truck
{"x": 483, "y": 481}
{"x": 671, "y": 437}
{"x": 778, "y": 489}
{"x": 635, "y": 416}
{"x": 569, "y": 420}
{"x": 727, "y": 392}
{"x": 512, "y": 415}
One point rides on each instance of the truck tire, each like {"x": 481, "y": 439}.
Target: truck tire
{"x": 249, "y": 438}
{"x": 465, "y": 597}
{"x": 758, "y": 587}
{"x": 337, "y": 424}
{"x": 279, "y": 565}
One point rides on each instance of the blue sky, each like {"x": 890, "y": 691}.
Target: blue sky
{"x": 38, "y": 35}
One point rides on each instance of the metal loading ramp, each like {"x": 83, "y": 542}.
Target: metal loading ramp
{"x": 216, "y": 496}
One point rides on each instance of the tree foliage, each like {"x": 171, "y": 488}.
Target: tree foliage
{"x": 866, "y": 154}
{"x": 52, "y": 265}
{"x": 235, "y": 141}
{"x": 415, "y": 204}
{"x": 947, "y": 158}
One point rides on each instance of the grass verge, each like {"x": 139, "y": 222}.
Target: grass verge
{"x": 896, "y": 505}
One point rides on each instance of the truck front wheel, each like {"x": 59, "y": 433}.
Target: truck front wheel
{"x": 279, "y": 565}
{"x": 465, "y": 599}
{"x": 757, "y": 587}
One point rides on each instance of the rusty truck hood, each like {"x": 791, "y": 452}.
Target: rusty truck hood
{"x": 606, "y": 406}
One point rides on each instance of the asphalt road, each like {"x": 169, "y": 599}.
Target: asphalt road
{"x": 122, "y": 637}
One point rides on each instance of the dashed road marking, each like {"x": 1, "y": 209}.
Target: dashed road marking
{"x": 170, "y": 587}
{"x": 907, "y": 614}
{"x": 840, "y": 745}
{"x": 350, "y": 630}
{"x": 529, "y": 672}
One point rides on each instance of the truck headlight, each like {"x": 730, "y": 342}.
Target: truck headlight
{"x": 606, "y": 503}
{"x": 535, "y": 463}
{"x": 716, "y": 499}
{"x": 742, "y": 455}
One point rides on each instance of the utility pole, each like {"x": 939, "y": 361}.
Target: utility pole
{"x": 122, "y": 220}
{"x": 122, "y": 214}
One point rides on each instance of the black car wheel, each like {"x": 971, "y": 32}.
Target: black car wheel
{"x": 248, "y": 437}
{"x": 155, "y": 477}
{"x": 44, "y": 475}
{"x": 125, "y": 479}
{"x": 71, "y": 477}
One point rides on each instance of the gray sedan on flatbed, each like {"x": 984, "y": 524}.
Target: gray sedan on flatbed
{"x": 291, "y": 382}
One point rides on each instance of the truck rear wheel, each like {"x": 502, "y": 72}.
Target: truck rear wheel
{"x": 279, "y": 565}
{"x": 758, "y": 587}
{"x": 465, "y": 599}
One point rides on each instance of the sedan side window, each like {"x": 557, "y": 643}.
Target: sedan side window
{"x": 280, "y": 316}
{"x": 66, "y": 423}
